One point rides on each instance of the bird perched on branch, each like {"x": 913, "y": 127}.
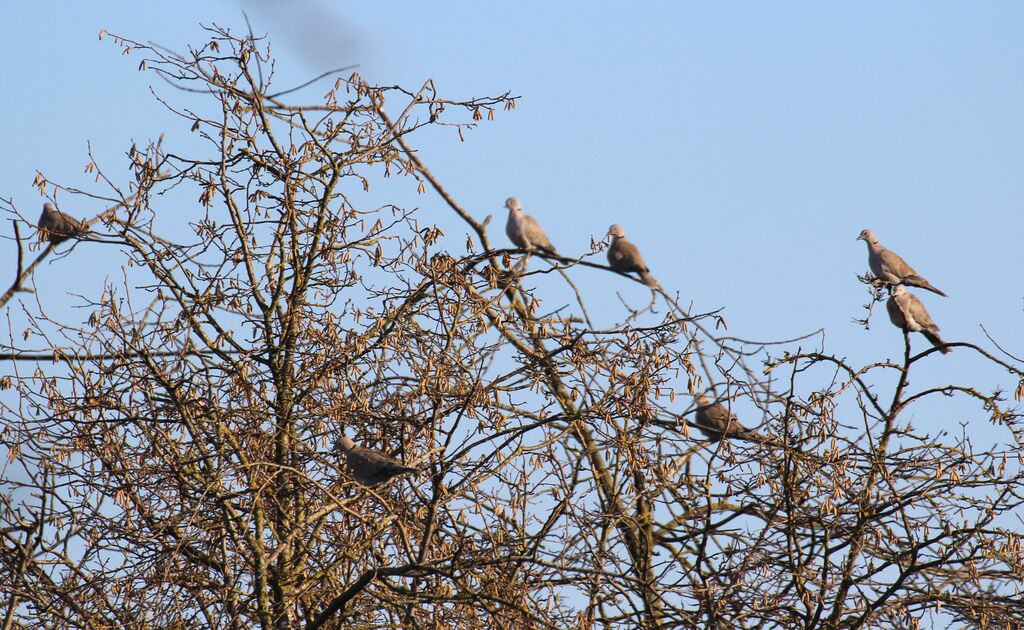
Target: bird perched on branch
{"x": 524, "y": 231}
{"x": 716, "y": 422}
{"x": 371, "y": 467}
{"x": 57, "y": 227}
{"x": 890, "y": 268}
{"x": 625, "y": 257}
{"x": 907, "y": 313}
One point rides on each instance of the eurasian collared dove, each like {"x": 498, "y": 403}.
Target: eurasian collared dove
{"x": 57, "y": 227}
{"x": 625, "y": 257}
{"x": 890, "y": 268}
{"x": 715, "y": 422}
{"x": 906, "y": 312}
{"x": 370, "y": 467}
{"x": 523, "y": 230}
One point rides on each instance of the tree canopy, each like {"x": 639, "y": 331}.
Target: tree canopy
{"x": 174, "y": 454}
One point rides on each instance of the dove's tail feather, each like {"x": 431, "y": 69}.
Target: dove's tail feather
{"x": 936, "y": 341}
{"x": 649, "y": 280}
{"x": 921, "y": 283}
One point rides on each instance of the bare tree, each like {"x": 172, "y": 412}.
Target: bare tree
{"x": 174, "y": 458}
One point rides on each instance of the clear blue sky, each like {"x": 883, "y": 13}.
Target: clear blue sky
{"x": 743, "y": 146}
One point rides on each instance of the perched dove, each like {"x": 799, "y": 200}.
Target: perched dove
{"x": 715, "y": 422}
{"x": 523, "y": 230}
{"x": 890, "y": 268}
{"x": 906, "y": 312}
{"x": 625, "y": 257}
{"x": 370, "y": 467}
{"x": 57, "y": 227}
